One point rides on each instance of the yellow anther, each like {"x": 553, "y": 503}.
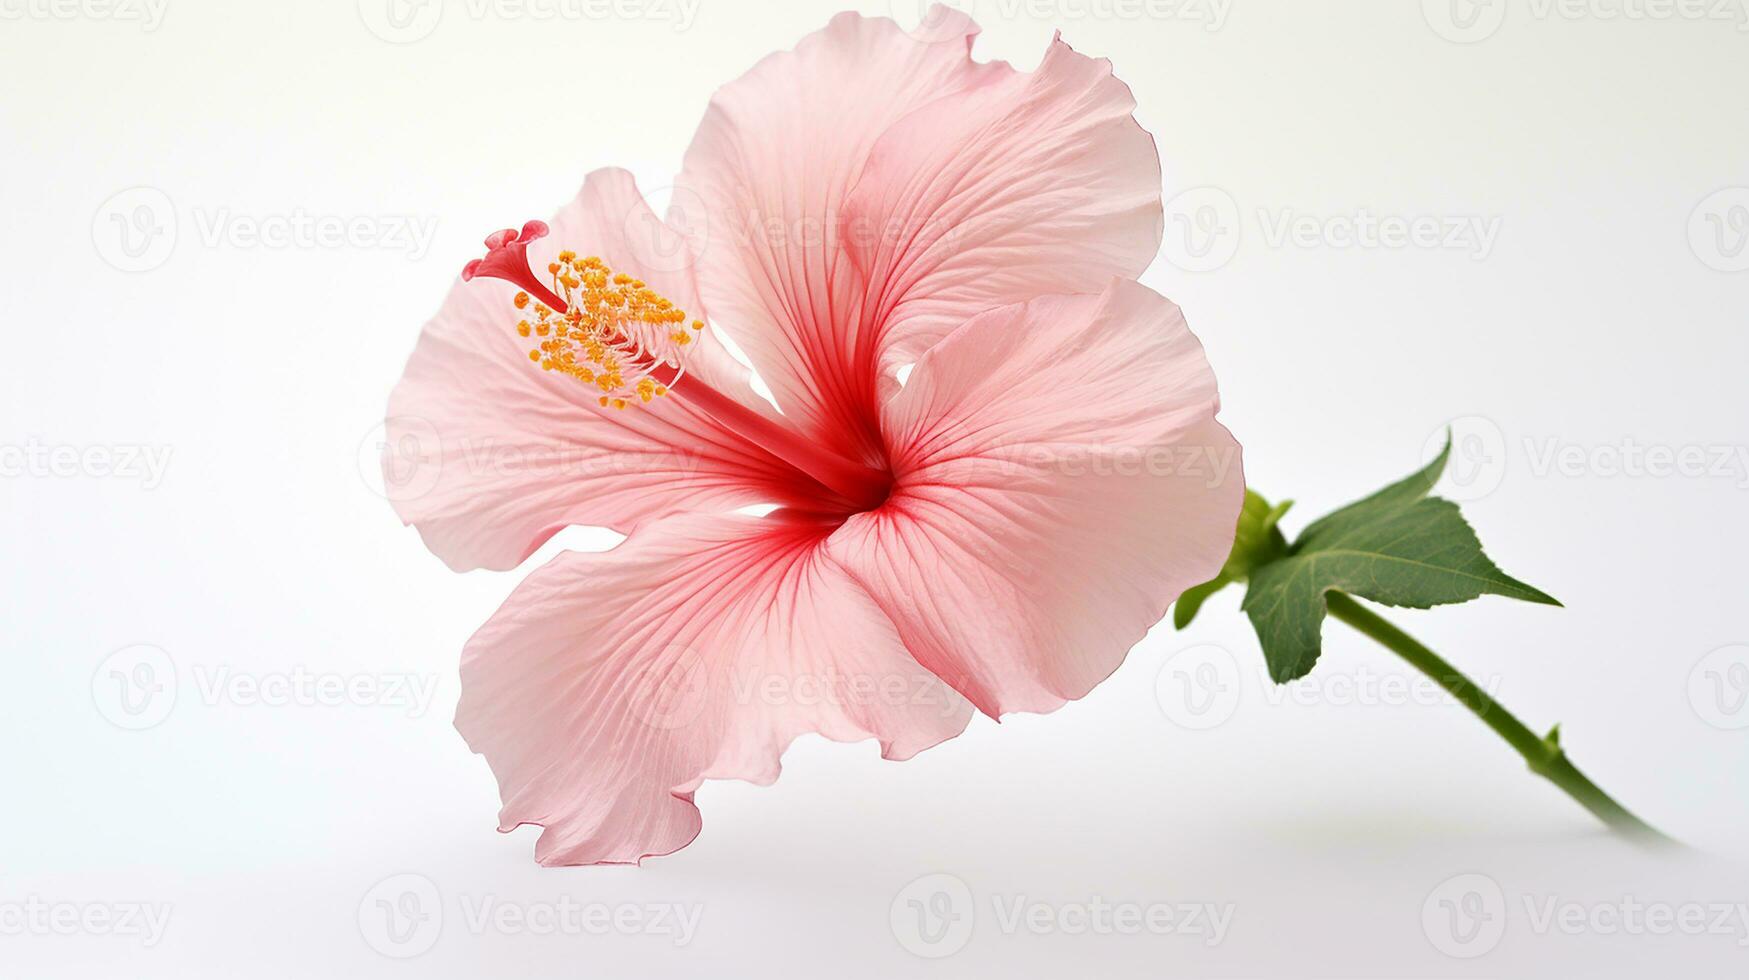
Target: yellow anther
{"x": 617, "y": 335}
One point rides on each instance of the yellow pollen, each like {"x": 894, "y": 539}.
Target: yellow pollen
{"x": 617, "y": 335}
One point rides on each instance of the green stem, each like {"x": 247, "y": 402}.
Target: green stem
{"x": 1545, "y": 755}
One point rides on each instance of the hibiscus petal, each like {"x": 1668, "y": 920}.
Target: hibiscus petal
{"x": 870, "y": 175}
{"x": 1061, "y": 480}
{"x": 610, "y": 686}
{"x": 492, "y": 456}
{"x": 1042, "y": 184}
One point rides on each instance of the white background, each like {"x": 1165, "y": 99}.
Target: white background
{"x": 1607, "y": 313}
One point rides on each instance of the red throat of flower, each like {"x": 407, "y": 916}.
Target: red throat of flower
{"x": 616, "y": 335}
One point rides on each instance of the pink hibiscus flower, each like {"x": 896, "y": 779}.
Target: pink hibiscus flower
{"x": 995, "y": 532}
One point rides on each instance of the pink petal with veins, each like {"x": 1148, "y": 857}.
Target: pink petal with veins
{"x": 610, "y": 686}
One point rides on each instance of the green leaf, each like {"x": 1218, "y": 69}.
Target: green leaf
{"x": 1190, "y": 603}
{"x": 1398, "y": 547}
{"x": 1256, "y": 542}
